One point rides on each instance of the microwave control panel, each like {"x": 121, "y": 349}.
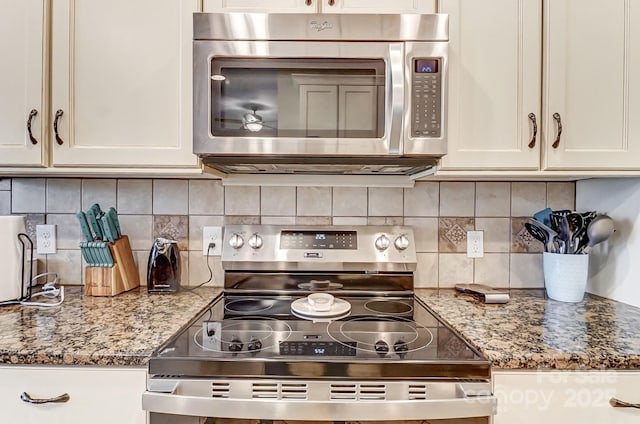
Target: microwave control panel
{"x": 426, "y": 98}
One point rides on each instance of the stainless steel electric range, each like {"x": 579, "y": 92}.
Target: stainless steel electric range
{"x": 318, "y": 324}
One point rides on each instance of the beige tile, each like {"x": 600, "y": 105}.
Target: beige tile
{"x": 526, "y": 271}
{"x": 141, "y": 258}
{"x": 242, "y": 200}
{"x": 425, "y": 231}
{"x": 349, "y": 201}
{"x": 68, "y": 232}
{"x": 199, "y": 270}
{"x": 422, "y": 199}
{"x": 493, "y": 199}
{"x": 175, "y": 227}
{"x": 135, "y": 197}
{"x": 278, "y": 201}
{"x": 241, "y": 220}
{"x": 184, "y": 268}
{"x": 30, "y": 222}
{"x": 100, "y": 191}
{"x": 68, "y": 265}
{"x": 385, "y": 201}
{"x": 5, "y": 203}
{"x": 527, "y": 198}
{"x": 206, "y": 197}
{"x": 561, "y": 195}
{"x": 139, "y": 229}
{"x": 170, "y": 197}
{"x": 349, "y": 220}
{"x": 454, "y": 268}
{"x": 497, "y": 234}
{"x": 492, "y": 270}
{"x": 313, "y": 220}
{"x": 385, "y": 220}
{"x": 313, "y": 201}
{"x": 196, "y": 223}
{"x": 63, "y": 195}
{"x": 28, "y": 195}
{"x": 452, "y": 234}
{"x": 5, "y": 184}
{"x": 521, "y": 240}
{"x": 457, "y": 199}
{"x": 426, "y": 274}
{"x": 278, "y": 220}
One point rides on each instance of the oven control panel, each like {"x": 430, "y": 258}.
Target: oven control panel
{"x": 426, "y": 98}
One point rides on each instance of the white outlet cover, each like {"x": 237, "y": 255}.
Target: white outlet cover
{"x": 475, "y": 244}
{"x": 46, "y": 239}
{"x": 212, "y": 235}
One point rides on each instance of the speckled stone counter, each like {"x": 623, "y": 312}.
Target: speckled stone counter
{"x": 531, "y": 331}
{"x": 121, "y": 330}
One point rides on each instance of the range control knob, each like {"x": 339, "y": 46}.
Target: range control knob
{"x": 255, "y": 241}
{"x": 382, "y": 243}
{"x": 381, "y": 347}
{"x": 254, "y": 344}
{"x": 400, "y": 347}
{"x": 236, "y": 241}
{"x": 401, "y": 242}
{"x": 235, "y": 345}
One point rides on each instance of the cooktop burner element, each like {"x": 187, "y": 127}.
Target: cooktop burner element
{"x": 388, "y": 307}
{"x": 249, "y": 306}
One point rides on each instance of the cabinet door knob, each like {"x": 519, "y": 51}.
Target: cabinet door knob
{"x": 308, "y": 2}
{"x": 532, "y": 143}
{"x": 59, "y": 114}
{"x": 332, "y": 2}
{"x": 32, "y": 114}
{"x": 26, "y": 397}
{"x": 556, "y": 117}
{"x": 617, "y": 403}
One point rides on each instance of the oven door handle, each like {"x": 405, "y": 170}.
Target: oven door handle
{"x": 190, "y": 398}
{"x": 395, "y": 94}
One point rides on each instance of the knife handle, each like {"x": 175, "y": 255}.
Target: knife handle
{"x": 93, "y": 220}
{"x": 108, "y": 228}
{"x": 84, "y": 225}
{"x": 113, "y": 214}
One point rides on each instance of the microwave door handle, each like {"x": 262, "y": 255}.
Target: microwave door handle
{"x": 395, "y": 94}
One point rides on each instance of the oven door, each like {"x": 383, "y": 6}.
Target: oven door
{"x": 298, "y": 98}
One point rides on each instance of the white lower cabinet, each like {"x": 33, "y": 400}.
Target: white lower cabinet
{"x": 96, "y": 395}
{"x": 565, "y": 397}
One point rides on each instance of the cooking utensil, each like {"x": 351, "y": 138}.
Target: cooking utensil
{"x": 550, "y": 244}
{"x": 599, "y": 230}
{"x": 541, "y": 235}
{"x": 544, "y": 216}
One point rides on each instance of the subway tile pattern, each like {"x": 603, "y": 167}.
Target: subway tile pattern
{"x": 440, "y": 213}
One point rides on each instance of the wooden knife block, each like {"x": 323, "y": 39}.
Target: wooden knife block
{"x": 121, "y": 277}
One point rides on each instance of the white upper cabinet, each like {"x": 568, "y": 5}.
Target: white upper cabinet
{"x": 121, "y": 83}
{"x": 592, "y": 84}
{"x": 22, "y": 82}
{"x": 494, "y": 84}
{"x": 321, "y": 6}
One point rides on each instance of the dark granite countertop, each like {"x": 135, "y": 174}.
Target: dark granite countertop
{"x": 531, "y": 331}
{"x": 122, "y": 330}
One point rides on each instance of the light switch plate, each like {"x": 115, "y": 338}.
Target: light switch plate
{"x": 45, "y": 239}
{"x": 475, "y": 244}
{"x": 212, "y": 235}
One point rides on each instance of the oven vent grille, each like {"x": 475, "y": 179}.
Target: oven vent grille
{"x": 417, "y": 392}
{"x": 220, "y": 390}
{"x": 279, "y": 391}
{"x": 358, "y": 392}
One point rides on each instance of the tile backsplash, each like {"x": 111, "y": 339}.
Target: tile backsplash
{"x": 440, "y": 213}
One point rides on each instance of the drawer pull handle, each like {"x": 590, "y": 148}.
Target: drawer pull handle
{"x": 617, "y": 403}
{"x": 556, "y": 117}
{"x": 532, "y": 143}
{"x": 59, "y": 113}
{"x": 58, "y": 399}
{"x": 32, "y": 114}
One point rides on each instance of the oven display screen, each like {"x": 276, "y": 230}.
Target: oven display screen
{"x": 291, "y": 239}
{"x": 426, "y": 66}
{"x": 318, "y": 348}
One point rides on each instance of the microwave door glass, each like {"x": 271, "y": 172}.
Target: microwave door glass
{"x": 302, "y": 98}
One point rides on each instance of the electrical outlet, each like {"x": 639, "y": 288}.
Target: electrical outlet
{"x": 212, "y": 235}
{"x": 475, "y": 244}
{"x": 45, "y": 239}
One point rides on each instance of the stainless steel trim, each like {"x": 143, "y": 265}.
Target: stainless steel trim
{"x": 323, "y": 400}
{"x": 309, "y": 27}
{"x": 395, "y": 93}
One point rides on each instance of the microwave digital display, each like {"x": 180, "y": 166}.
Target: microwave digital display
{"x": 426, "y": 66}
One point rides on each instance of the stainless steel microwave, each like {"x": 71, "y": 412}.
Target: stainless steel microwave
{"x": 320, "y": 93}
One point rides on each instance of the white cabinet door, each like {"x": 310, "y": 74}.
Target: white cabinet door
{"x": 319, "y": 109}
{"x": 494, "y": 84}
{"x": 378, "y": 6}
{"x": 592, "y": 83}
{"x": 21, "y": 82}
{"x": 263, "y": 6}
{"x": 96, "y": 395}
{"x": 534, "y": 397}
{"x": 121, "y": 77}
